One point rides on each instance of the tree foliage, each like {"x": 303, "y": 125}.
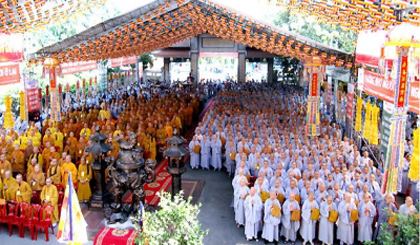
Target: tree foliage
{"x": 175, "y": 223}
{"x": 323, "y": 33}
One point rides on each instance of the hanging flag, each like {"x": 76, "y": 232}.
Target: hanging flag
{"x": 72, "y": 225}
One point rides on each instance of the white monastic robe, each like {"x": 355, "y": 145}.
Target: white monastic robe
{"x": 239, "y": 200}
{"x": 326, "y": 231}
{"x": 365, "y": 221}
{"x": 345, "y": 231}
{"x": 307, "y": 230}
{"x": 289, "y": 228}
{"x": 271, "y": 223}
{"x": 253, "y": 216}
{"x": 195, "y": 157}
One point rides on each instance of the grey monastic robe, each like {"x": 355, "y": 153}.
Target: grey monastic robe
{"x": 326, "y": 231}
{"x": 365, "y": 221}
{"x": 253, "y": 216}
{"x": 345, "y": 231}
{"x": 289, "y": 228}
{"x": 271, "y": 223}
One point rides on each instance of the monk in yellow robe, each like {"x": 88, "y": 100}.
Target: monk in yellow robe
{"x": 21, "y": 190}
{"x": 34, "y": 138}
{"x": 37, "y": 156}
{"x": 12, "y": 133}
{"x": 4, "y": 166}
{"x": 46, "y": 153}
{"x": 169, "y": 130}
{"x": 86, "y": 130}
{"x": 72, "y": 139}
{"x": 8, "y": 183}
{"x": 31, "y": 167}
{"x": 80, "y": 148}
{"x": 62, "y": 160}
{"x": 48, "y": 138}
{"x": 70, "y": 149}
{"x": 58, "y": 139}
{"x": 36, "y": 179}
{"x": 67, "y": 168}
{"x": 54, "y": 172}
{"x": 1, "y": 189}
{"x": 161, "y": 135}
{"x": 18, "y": 160}
{"x": 151, "y": 130}
{"x": 84, "y": 175}
{"x": 53, "y": 155}
{"x": 49, "y": 196}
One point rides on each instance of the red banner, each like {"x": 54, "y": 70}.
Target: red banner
{"x": 9, "y": 74}
{"x": 123, "y": 61}
{"x": 384, "y": 89}
{"x": 32, "y": 96}
{"x": 350, "y": 98}
{"x": 11, "y": 47}
{"x": 314, "y": 86}
{"x": 75, "y": 67}
{"x": 403, "y": 82}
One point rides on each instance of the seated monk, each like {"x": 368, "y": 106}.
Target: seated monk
{"x": 53, "y": 155}
{"x": 48, "y": 138}
{"x": 70, "y": 149}
{"x": 67, "y": 168}
{"x": 4, "y": 166}
{"x": 54, "y": 172}
{"x": 62, "y": 160}
{"x": 21, "y": 190}
{"x": 58, "y": 139}
{"x": 80, "y": 148}
{"x": 84, "y": 175}
{"x": 46, "y": 153}
{"x": 18, "y": 161}
{"x": 31, "y": 167}
{"x": 169, "y": 130}
{"x": 8, "y": 183}
{"x": 37, "y": 156}
{"x": 161, "y": 135}
{"x": 28, "y": 151}
{"x": 72, "y": 139}
{"x": 49, "y": 196}
{"x": 151, "y": 130}
{"x": 36, "y": 179}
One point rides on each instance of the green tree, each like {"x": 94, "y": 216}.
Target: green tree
{"x": 147, "y": 60}
{"x": 175, "y": 223}
{"x": 323, "y": 33}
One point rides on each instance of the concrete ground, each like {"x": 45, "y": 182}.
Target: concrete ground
{"x": 216, "y": 213}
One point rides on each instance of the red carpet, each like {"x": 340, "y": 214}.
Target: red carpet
{"x": 115, "y": 236}
{"x": 163, "y": 182}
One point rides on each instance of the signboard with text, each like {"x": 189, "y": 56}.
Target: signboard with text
{"x": 32, "y": 95}
{"x": 9, "y": 74}
{"x": 80, "y": 66}
{"x": 123, "y": 61}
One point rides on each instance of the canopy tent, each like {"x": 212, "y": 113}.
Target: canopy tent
{"x": 19, "y": 16}
{"x": 162, "y": 24}
{"x": 357, "y": 15}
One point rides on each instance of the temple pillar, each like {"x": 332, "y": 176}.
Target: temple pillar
{"x": 270, "y": 70}
{"x": 166, "y": 65}
{"x": 194, "y": 59}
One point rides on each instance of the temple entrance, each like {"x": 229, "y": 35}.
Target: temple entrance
{"x": 218, "y": 66}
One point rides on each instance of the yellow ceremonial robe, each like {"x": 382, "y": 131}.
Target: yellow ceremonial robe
{"x": 38, "y": 183}
{"x": 5, "y": 166}
{"x": 18, "y": 161}
{"x": 169, "y": 131}
{"x": 8, "y": 194}
{"x": 71, "y": 168}
{"x": 39, "y": 159}
{"x": 58, "y": 139}
{"x": 48, "y": 139}
{"x": 54, "y": 172}
{"x": 50, "y": 194}
{"x": 1, "y": 188}
{"x": 22, "y": 192}
{"x": 83, "y": 190}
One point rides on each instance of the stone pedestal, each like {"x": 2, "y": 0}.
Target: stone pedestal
{"x": 97, "y": 201}
{"x": 176, "y": 179}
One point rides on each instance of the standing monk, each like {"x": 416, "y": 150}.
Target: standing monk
{"x": 36, "y": 155}
{"x": 4, "y": 166}
{"x": 54, "y": 172}
{"x": 290, "y": 227}
{"x": 49, "y": 196}
{"x": 345, "y": 231}
{"x": 66, "y": 168}
{"x": 85, "y": 175}
{"x": 271, "y": 222}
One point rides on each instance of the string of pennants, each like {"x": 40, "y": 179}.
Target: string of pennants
{"x": 356, "y": 15}
{"x": 175, "y": 21}
{"x": 32, "y": 15}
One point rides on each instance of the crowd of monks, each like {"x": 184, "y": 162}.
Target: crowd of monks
{"x": 287, "y": 183}
{"x": 39, "y": 160}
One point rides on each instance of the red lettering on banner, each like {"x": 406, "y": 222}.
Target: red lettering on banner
{"x": 384, "y": 88}
{"x": 314, "y": 87}
{"x": 80, "y": 66}
{"x": 403, "y": 81}
{"x": 123, "y": 61}
{"x": 9, "y": 74}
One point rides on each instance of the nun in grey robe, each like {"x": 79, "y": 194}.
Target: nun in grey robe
{"x": 307, "y": 229}
{"x": 253, "y": 215}
{"x": 408, "y": 208}
{"x": 195, "y": 157}
{"x": 384, "y": 208}
{"x": 271, "y": 223}
{"x": 345, "y": 231}
{"x": 289, "y": 228}
{"x": 205, "y": 153}
{"x": 367, "y": 212}
{"x": 240, "y": 193}
{"x": 326, "y": 231}
{"x": 229, "y": 163}
{"x": 216, "y": 153}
